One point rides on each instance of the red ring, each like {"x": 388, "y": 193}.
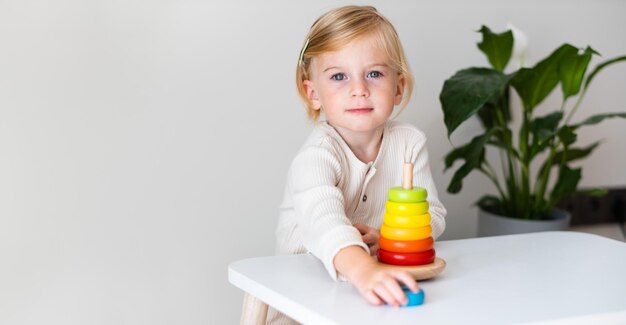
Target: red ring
{"x": 406, "y": 259}
{"x": 406, "y": 246}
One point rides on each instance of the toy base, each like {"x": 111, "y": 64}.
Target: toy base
{"x": 421, "y": 272}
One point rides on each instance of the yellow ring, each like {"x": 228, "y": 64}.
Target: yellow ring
{"x": 406, "y": 209}
{"x": 407, "y": 221}
{"x": 405, "y": 233}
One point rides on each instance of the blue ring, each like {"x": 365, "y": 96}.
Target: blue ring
{"x": 415, "y": 298}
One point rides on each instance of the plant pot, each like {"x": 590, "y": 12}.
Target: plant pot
{"x": 490, "y": 224}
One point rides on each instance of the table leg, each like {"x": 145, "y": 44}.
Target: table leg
{"x": 253, "y": 311}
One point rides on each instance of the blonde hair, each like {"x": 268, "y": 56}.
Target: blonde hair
{"x": 342, "y": 25}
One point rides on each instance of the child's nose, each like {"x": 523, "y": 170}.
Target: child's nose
{"x": 359, "y": 88}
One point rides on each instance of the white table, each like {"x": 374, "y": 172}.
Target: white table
{"x": 550, "y": 277}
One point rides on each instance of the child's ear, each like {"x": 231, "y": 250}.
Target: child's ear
{"x": 400, "y": 89}
{"x": 311, "y": 94}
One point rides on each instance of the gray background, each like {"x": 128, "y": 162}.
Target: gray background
{"x": 144, "y": 144}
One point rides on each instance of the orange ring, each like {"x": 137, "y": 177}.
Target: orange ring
{"x": 414, "y": 221}
{"x": 405, "y": 233}
{"x": 406, "y": 246}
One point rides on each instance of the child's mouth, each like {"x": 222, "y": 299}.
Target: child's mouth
{"x": 360, "y": 110}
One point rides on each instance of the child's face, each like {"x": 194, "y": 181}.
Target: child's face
{"x": 355, "y": 86}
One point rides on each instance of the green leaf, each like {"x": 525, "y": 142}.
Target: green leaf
{"x": 566, "y": 183}
{"x": 499, "y": 139}
{"x": 496, "y": 105}
{"x": 543, "y": 130}
{"x": 595, "y": 119}
{"x": 574, "y": 153}
{"x": 468, "y": 91}
{"x": 562, "y": 157}
{"x": 497, "y": 47}
{"x": 572, "y": 70}
{"x": 468, "y": 151}
{"x": 601, "y": 66}
{"x": 545, "y": 127}
{"x": 456, "y": 183}
{"x": 473, "y": 153}
{"x": 487, "y": 115}
{"x": 534, "y": 84}
{"x": 566, "y": 135}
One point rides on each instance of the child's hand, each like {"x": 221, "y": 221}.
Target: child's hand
{"x": 382, "y": 285}
{"x": 377, "y": 283}
{"x": 370, "y": 236}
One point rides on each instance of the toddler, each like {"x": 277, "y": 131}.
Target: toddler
{"x": 352, "y": 70}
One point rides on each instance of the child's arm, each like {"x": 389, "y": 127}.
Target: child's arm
{"x": 370, "y": 236}
{"x": 375, "y": 282}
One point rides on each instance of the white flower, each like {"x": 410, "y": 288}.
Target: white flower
{"x": 520, "y": 46}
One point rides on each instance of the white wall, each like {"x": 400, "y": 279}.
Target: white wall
{"x": 144, "y": 144}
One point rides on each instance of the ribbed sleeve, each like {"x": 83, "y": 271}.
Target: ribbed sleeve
{"x": 319, "y": 206}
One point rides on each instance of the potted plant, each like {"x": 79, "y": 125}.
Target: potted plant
{"x": 537, "y": 151}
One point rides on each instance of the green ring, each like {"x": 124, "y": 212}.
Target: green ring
{"x": 414, "y": 195}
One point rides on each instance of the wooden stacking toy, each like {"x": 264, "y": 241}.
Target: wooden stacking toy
{"x": 406, "y": 235}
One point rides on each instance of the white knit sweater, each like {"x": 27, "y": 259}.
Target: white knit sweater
{"x": 329, "y": 189}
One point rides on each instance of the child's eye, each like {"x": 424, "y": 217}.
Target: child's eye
{"x": 374, "y": 74}
{"x": 338, "y": 76}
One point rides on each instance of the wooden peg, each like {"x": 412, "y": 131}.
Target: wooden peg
{"x": 408, "y": 176}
